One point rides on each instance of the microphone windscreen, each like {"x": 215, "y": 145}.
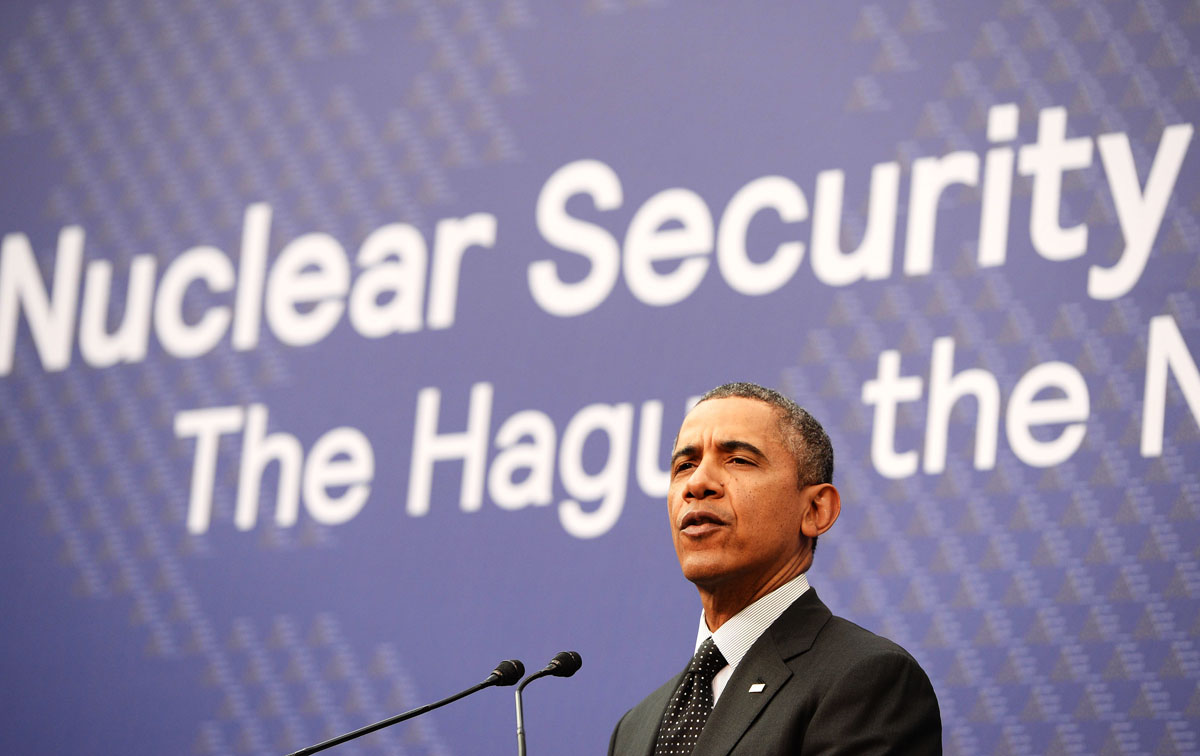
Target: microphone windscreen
{"x": 510, "y": 671}
{"x": 566, "y": 663}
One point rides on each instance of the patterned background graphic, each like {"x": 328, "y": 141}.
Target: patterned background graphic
{"x": 1055, "y": 605}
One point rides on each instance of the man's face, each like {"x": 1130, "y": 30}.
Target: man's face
{"x": 734, "y": 503}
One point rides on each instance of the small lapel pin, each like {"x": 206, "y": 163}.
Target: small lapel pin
{"x": 758, "y": 687}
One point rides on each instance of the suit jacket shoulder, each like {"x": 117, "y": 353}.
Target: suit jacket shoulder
{"x": 812, "y": 684}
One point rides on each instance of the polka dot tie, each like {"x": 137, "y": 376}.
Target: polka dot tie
{"x": 692, "y": 703}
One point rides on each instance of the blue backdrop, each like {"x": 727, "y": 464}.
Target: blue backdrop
{"x": 342, "y": 346}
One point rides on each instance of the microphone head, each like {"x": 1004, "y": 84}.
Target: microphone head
{"x": 565, "y": 663}
{"x": 509, "y": 672}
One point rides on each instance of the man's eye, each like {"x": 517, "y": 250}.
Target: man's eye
{"x": 683, "y": 466}
{"x": 741, "y": 461}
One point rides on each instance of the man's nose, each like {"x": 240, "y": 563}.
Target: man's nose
{"x": 704, "y": 482}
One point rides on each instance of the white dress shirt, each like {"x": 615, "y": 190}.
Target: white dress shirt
{"x": 738, "y": 634}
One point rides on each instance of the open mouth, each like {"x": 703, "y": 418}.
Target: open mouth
{"x": 699, "y": 522}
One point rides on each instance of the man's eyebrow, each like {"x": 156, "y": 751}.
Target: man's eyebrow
{"x": 740, "y": 446}
{"x": 686, "y": 451}
{"x": 728, "y": 447}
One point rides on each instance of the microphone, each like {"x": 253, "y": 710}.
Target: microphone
{"x": 506, "y": 673}
{"x": 564, "y": 664}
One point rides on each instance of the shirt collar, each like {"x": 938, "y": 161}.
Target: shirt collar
{"x": 738, "y": 634}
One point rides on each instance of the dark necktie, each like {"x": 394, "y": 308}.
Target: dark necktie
{"x": 692, "y": 703}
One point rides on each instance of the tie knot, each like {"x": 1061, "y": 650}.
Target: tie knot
{"x": 708, "y": 660}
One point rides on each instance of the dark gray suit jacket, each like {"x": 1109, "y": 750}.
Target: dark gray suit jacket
{"x": 829, "y": 687}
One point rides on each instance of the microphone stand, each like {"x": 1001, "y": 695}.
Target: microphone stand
{"x": 564, "y": 664}
{"x": 521, "y": 716}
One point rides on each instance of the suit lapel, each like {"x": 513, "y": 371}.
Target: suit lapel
{"x": 789, "y": 636}
{"x": 643, "y": 730}
{"x": 738, "y": 707}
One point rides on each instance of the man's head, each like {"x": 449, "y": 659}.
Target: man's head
{"x": 805, "y": 438}
{"x": 750, "y": 492}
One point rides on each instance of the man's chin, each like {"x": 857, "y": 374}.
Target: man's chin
{"x": 703, "y": 570}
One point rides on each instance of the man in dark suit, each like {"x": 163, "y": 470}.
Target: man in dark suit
{"x": 750, "y": 493}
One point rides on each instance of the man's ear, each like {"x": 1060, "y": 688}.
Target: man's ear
{"x": 822, "y": 505}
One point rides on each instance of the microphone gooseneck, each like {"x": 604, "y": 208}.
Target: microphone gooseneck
{"x": 506, "y": 672}
{"x": 564, "y": 664}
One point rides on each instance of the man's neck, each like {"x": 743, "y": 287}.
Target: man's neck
{"x": 723, "y": 600}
